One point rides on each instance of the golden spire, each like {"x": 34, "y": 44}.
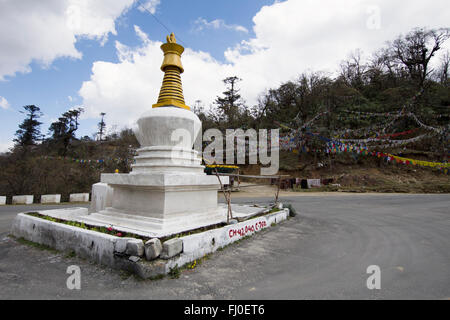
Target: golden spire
{"x": 171, "y": 90}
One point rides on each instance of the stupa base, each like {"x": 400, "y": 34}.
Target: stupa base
{"x": 112, "y": 250}
{"x": 155, "y": 227}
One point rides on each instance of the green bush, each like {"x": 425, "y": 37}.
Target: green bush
{"x": 292, "y": 212}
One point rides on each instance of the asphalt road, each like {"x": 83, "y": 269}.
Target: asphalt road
{"x": 323, "y": 253}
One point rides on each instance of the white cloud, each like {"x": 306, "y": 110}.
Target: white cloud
{"x": 45, "y": 30}
{"x": 150, "y": 5}
{"x": 5, "y": 145}
{"x": 4, "y": 104}
{"x": 201, "y": 24}
{"x": 291, "y": 37}
{"x": 124, "y": 90}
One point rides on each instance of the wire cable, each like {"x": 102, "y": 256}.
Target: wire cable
{"x": 159, "y": 21}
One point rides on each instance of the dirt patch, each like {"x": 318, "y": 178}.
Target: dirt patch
{"x": 367, "y": 175}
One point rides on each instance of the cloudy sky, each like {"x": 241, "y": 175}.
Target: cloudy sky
{"x": 104, "y": 55}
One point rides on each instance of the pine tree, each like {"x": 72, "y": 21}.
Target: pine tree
{"x": 63, "y": 130}
{"x": 101, "y": 127}
{"x": 231, "y": 102}
{"x": 29, "y": 132}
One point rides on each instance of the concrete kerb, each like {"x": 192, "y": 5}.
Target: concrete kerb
{"x": 50, "y": 198}
{"x": 111, "y": 250}
{"x": 79, "y": 197}
{"x": 23, "y": 199}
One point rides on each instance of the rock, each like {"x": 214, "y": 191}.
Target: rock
{"x": 292, "y": 212}
{"x": 149, "y": 270}
{"x": 135, "y": 247}
{"x": 171, "y": 248}
{"x": 134, "y": 259}
{"x": 153, "y": 249}
{"x": 121, "y": 245}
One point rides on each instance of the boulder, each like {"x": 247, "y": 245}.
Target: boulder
{"x": 171, "y": 248}
{"x": 135, "y": 247}
{"x": 153, "y": 249}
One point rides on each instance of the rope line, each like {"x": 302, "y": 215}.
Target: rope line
{"x": 159, "y": 21}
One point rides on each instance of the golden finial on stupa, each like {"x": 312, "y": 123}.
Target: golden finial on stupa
{"x": 171, "y": 38}
{"x": 171, "y": 93}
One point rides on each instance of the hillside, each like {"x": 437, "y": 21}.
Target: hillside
{"x": 381, "y": 124}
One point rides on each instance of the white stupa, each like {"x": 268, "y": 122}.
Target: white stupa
{"x": 167, "y": 191}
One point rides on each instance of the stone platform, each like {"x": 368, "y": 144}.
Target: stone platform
{"x": 152, "y": 227}
{"x": 162, "y": 195}
{"x": 128, "y": 253}
{"x": 156, "y": 205}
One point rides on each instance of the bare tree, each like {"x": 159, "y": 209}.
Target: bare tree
{"x": 442, "y": 72}
{"x": 416, "y": 49}
{"x": 353, "y": 70}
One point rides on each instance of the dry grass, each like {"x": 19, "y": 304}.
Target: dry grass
{"x": 366, "y": 175}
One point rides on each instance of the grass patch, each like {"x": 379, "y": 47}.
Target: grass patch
{"x": 158, "y": 277}
{"x": 276, "y": 209}
{"x": 35, "y": 245}
{"x": 174, "y": 272}
{"x": 124, "y": 275}
{"x": 70, "y": 254}
{"x": 189, "y": 266}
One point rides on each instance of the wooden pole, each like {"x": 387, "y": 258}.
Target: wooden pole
{"x": 278, "y": 190}
{"x": 227, "y": 197}
{"x": 239, "y": 179}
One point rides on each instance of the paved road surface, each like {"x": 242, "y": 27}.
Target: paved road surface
{"x": 323, "y": 253}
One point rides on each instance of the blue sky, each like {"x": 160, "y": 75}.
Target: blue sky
{"x": 50, "y": 87}
{"x": 57, "y": 69}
